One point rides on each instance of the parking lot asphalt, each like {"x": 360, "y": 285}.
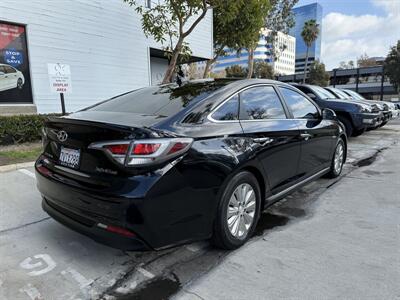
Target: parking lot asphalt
{"x": 332, "y": 239}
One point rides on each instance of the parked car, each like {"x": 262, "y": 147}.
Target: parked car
{"x": 165, "y": 165}
{"x": 10, "y": 78}
{"x": 356, "y": 117}
{"x": 389, "y": 111}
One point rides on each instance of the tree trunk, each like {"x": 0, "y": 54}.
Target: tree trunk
{"x": 250, "y": 65}
{"x": 208, "y": 66}
{"x": 172, "y": 63}
{"x": 305, "y": 66}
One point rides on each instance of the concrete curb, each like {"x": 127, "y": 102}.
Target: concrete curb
{"x": 8, "y": 168}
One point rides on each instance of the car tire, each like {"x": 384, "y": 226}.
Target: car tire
{"x": 231, "y": 232}
{"x": 338, "y": 159}
{"x": 383, "y": 124}
{"x": 358, "y": 132}
{"x": 348, "y": 127}
{"x": 20, "y": 84}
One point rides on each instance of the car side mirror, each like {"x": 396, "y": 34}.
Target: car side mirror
{"x": 2, "y": 73}
{"x": 328, "y": 114}
{"x": 312, "y": 96}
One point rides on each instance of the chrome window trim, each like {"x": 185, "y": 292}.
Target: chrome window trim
{"x": 210, "y": 118}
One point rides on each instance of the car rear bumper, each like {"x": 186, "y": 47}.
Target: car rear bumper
{"x": 171, "y": 212}
{"x": 82, "y": 225}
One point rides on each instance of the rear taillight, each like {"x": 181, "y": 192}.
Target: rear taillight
{"x": 145, "y": 149}
{"x": 144, "y": 152}
{"x": 118, "y": 149}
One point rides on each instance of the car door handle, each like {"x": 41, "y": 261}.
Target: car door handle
{"x": 263, "y": 141}
{"x": 306, "y": 136}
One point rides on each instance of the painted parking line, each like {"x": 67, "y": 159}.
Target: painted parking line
{"x": 78, "y": 277}
{"x": 27, "y": 172}
{"x": 32, "y": 292}
{"x": 145, "y": 273}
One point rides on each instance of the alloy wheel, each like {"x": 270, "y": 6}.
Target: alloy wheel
{"x": 241, "y": 210}
{"x": 339, "y": 157}
{"x": 19, "y": 84}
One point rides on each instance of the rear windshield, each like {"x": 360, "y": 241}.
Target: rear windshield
{"x": 165, "y": 100}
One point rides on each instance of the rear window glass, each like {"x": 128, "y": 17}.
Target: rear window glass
{"x": 164, "y": 100}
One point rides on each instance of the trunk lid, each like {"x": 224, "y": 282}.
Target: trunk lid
{"x": 74, "y": 134}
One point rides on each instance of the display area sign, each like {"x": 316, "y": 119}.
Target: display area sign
{"x": 15, "y": 79}
{"x": 60, "y": 78}
{"x": 60, "y": 81}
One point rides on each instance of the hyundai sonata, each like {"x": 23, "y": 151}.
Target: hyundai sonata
{"x": 165, "y": 165}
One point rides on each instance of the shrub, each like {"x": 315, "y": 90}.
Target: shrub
{"x": 236, "y": 71}
{"x": 21, "y": 128}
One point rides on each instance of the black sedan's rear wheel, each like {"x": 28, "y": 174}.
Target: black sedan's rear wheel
{"x": 238, "y": 212}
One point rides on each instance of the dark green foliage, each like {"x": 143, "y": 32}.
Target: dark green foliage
{"x": 236, "y": 71}
{"x": 392, "y": 66}
{"x": 263, "y": 70}
{"x": 318, "y": 75}
{"x": 309, "y": 34}
{"x": 21, "y": 129}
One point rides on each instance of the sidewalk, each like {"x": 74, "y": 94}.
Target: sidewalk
{"x": 348, "y": 249}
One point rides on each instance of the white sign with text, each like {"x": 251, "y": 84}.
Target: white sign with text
{"x": 60, "y": 78}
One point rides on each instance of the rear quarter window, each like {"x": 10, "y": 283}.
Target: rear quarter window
{"x": 229, "y": 111}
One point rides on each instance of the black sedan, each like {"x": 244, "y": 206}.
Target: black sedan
{"x": 165, "y": 165}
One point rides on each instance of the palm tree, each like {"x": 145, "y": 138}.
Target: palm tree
{"x": 309, "y": 34}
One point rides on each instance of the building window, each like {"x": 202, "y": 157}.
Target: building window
{"x": 147, "y": 3}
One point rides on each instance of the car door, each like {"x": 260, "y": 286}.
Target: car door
{"x": 318, "y": 135}
{"x": 3, "y": 79}
{"x": 275, "y": 138}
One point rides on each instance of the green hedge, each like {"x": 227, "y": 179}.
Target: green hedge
{"x": 21, "y": 129}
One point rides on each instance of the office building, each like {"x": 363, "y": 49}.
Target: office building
{"x": 369, "y": 82}
{"x": 302, "y": 14}
{"x": 283, "y": 63}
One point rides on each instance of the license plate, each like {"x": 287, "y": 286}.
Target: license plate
{"x": 70, "y": 157}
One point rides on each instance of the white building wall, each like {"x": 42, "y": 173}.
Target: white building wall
{"x": 285, "y": 63}
{"x": 102, "y": 41}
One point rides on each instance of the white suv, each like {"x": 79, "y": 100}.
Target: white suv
{"x": 10, "y": 78}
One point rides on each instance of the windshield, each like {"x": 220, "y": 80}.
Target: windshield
{"x": 164, "y": 100}
{"x": 322, "y": 93}
{"x": 354, "y": 95}
{"x": 341, "y": 95}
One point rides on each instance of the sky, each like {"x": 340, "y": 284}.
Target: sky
{"x": 351, "y": 28}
